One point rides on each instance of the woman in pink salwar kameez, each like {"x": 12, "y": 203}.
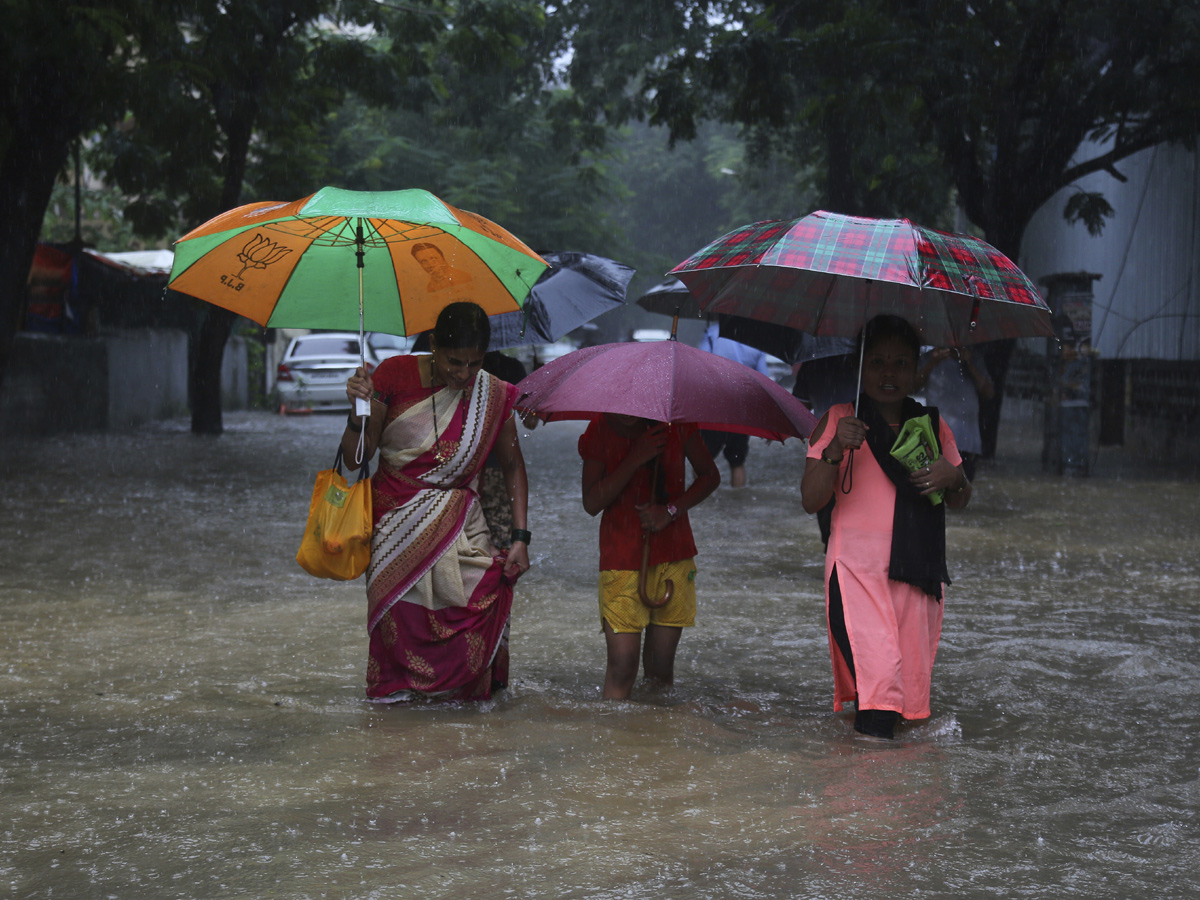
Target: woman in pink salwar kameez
{"x": 885, "y": 565}
{"x": 439, "y": 593}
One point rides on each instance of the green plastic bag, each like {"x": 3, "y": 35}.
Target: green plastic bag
{"x": 917, "y": 447}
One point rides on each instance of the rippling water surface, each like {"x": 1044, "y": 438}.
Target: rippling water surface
{"x": 182, "y": 705}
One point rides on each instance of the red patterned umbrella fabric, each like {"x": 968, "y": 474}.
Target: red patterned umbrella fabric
{"x": 829, "y": 274}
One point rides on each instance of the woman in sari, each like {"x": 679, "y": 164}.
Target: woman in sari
{"x": 439, "y": 593}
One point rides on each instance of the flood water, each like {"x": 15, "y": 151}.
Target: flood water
{"x": 182, "y": 712}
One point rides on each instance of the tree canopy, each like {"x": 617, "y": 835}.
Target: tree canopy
{"x": 890, "y": 97}
{"x": 270, "y": 99}
{"x": 891, "y": 101}
{"x": 67, "y": 68}
{"x": 875, "y": 107}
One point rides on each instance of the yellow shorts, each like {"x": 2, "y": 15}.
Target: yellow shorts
{"x": 623, "y": 609}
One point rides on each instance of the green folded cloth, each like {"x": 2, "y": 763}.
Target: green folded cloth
{"x": 917, "y": 447}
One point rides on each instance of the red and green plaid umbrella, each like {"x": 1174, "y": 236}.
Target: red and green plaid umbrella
{"x": 829, "y": 274}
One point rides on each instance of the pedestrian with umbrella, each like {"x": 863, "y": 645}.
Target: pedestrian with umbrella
{"x": 646, "y": 403}
{"x": 576, "y": 288}
{"x": 634, "y": 475}
{"x": 439, "y": 594}
{"x": 438, "y": 591}
{"x": 896, "y": 285}
{"x": 886, "y": 559}
{"x": 734, "y": 446}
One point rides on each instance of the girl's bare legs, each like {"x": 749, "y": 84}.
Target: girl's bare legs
{"x": 622, "y": 666}
{"x": 658, "y": 655}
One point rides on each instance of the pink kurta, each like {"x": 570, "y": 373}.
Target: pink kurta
{"x": 893, "y": 627}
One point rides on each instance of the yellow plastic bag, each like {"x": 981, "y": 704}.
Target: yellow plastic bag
{"x": 337, "y": 538}
{"x": 916, "y": 447}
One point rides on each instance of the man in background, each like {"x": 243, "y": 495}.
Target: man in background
{"x": 734, "y": 447}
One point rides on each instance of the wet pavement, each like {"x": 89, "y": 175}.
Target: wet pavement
{"x": 182, "y": 705}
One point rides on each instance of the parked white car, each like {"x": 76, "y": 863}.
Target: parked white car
{"x": 385, "y": 346}
{"x": 534, "y": 355}
{"x": 642, "y": 335}
{"x": 315, "y": 367}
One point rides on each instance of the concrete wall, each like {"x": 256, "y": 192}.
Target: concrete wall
{"x": 235, "y": 375}
{"x": 1149, "y": 407}
{"x": 147, "y": 376}
{"x": 115, "y": 382}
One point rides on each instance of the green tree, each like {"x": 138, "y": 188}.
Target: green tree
{"x": 494, "y": 134}
{"x": 102, "y": 220}
{"x": 234, "y": 83}
{"x": 67, "y": 70}
{"x": 673, "y": 201}
{"x": 270, "y": 100}
{"x": 1003, "y": 95}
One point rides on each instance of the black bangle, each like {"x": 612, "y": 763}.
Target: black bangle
{"x": 351, "y": 425}
{"x": 520, "y": 534}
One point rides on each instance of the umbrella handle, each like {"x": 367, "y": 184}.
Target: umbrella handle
{"x": 642, "y": 595}
{"x": 848, "y": 478}
{"x": 645, "y": 598}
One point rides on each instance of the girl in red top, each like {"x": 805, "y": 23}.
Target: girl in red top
{"x": 620, "y": 454}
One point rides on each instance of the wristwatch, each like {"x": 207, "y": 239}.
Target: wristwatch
{"x": 672, "y": 511}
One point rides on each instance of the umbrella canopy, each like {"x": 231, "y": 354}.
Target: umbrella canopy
{"x": 668, "y": 382}
{"x": 308, "y": 264}
{"x": 576, "y": 288}
{"x": 829, "y": 274}
{"x": 671, "y": 297}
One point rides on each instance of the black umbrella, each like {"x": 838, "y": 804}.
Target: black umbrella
{"x": 671, "y": 298}
{"x": 788, "y": 344}
{"x": 576, "y": 288}
{"x": 828, "y": 370}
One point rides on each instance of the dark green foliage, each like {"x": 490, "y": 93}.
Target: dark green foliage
{"x": 1090, "y": 208}
{"x": 889, "y": 103}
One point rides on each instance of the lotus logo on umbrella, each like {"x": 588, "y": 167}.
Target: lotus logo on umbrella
{"x": 259, "y": 252}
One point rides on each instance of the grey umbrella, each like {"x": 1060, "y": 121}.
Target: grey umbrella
{"x": 576, "y": 288}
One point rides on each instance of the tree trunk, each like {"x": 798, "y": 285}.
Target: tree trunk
{"x": 207, "y": 356}
{"x": 209, "y": 350}
{"x": 996, "y": 355}
{"x": 46, "y": 126}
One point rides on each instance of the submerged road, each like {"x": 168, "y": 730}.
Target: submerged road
{"x": 181, "y": 709}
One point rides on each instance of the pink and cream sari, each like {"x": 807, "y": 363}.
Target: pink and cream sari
{"x": 438, "y": 602}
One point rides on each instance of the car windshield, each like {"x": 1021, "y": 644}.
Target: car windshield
{"x": 326, "y": 345}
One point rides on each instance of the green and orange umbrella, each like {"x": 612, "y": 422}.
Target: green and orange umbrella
{"x": 343, "y": 260}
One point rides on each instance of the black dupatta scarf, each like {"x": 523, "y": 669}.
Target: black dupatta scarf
{"x": 918, "y": 527}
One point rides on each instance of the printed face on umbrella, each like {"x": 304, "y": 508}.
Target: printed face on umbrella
{"x": 442, "y": 275}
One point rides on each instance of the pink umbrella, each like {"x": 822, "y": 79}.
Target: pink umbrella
{"x": 668, "y": 382}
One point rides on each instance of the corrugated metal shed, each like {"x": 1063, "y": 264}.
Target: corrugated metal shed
{"x": 1147, "y": 302}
